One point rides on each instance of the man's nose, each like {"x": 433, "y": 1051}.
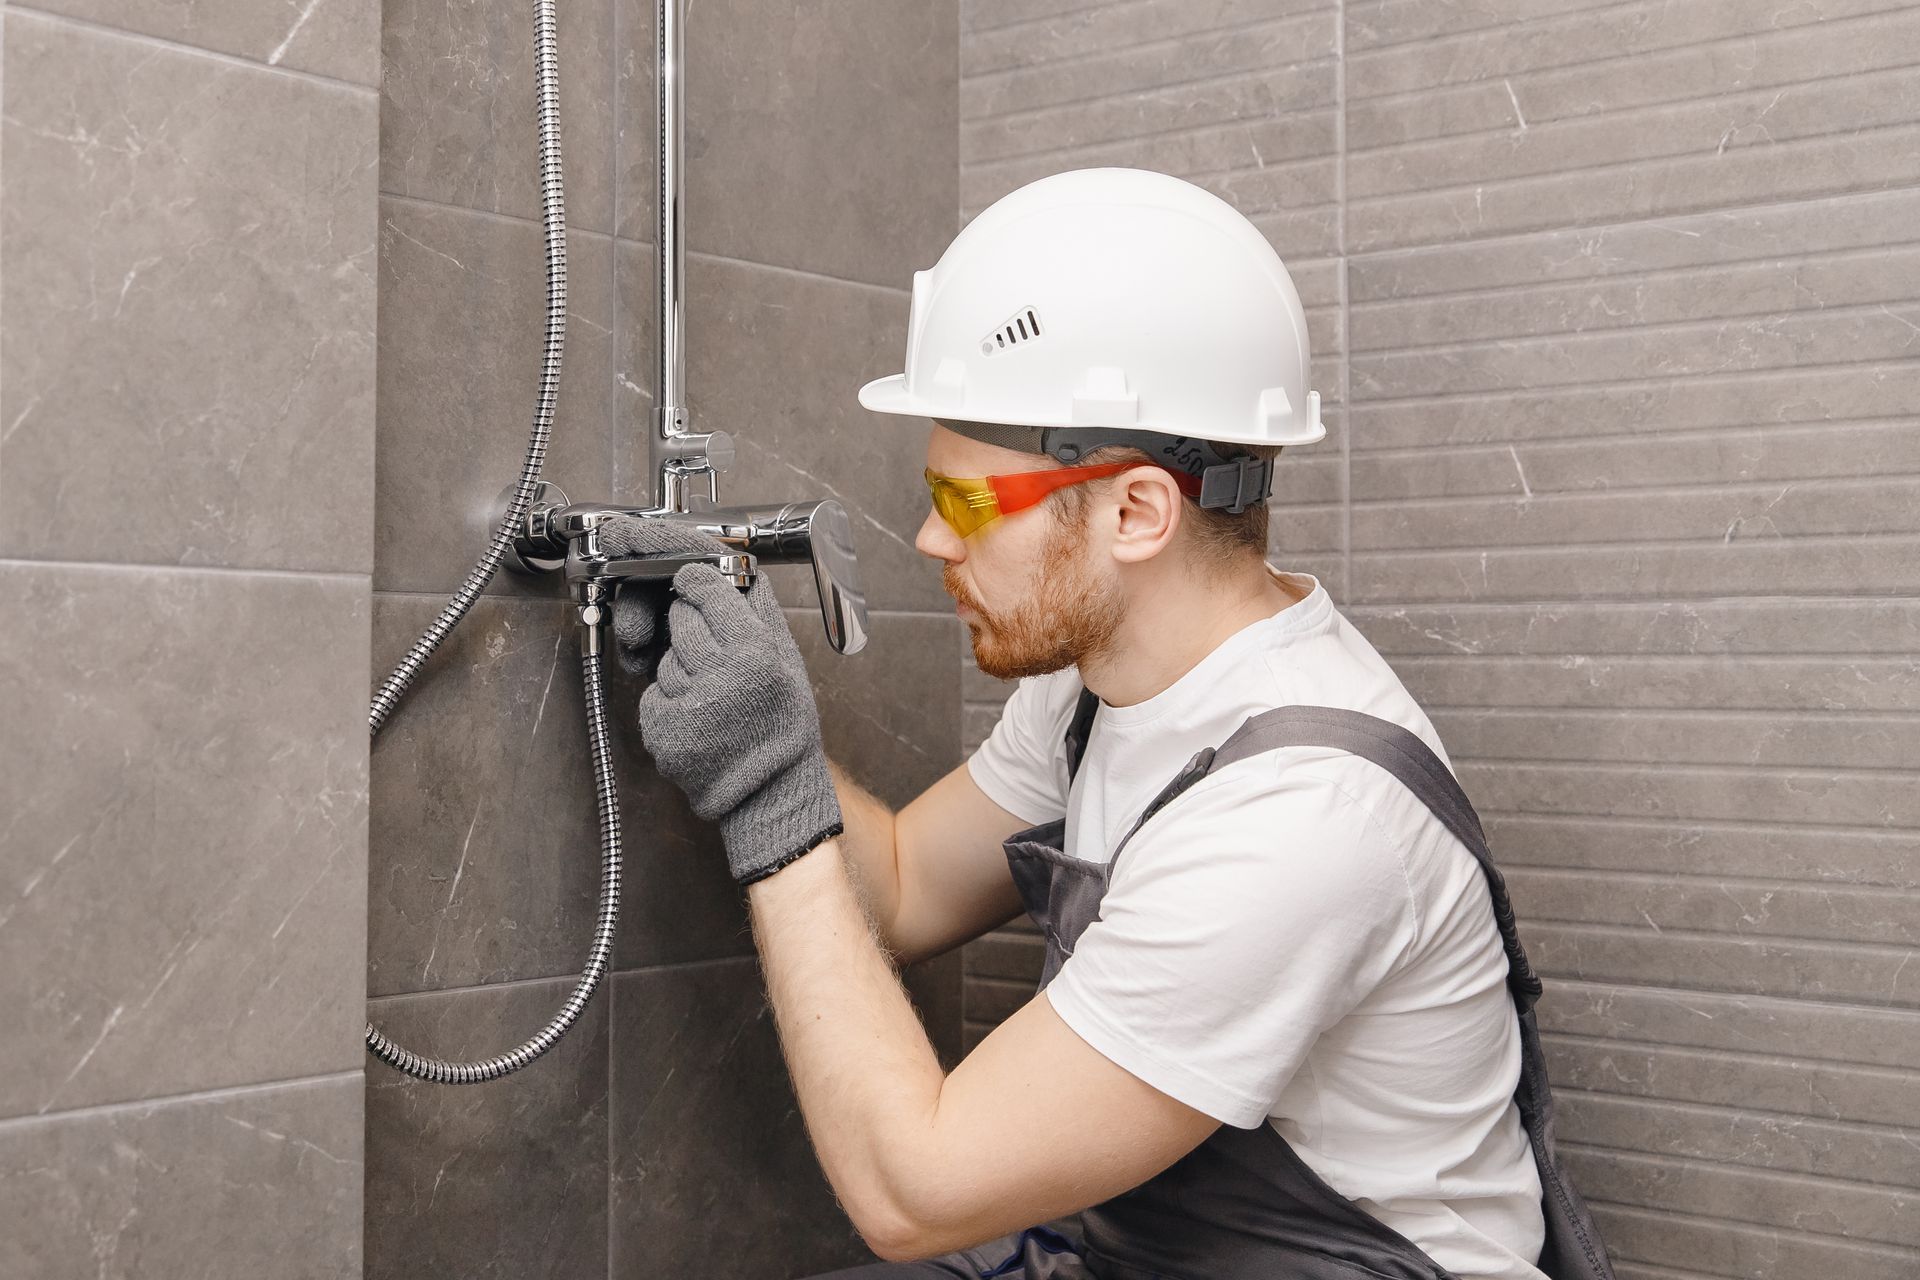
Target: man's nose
{"x": 938, "y": 541}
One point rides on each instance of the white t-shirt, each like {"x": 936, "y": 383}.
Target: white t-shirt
{"x": 1296, "y": 940}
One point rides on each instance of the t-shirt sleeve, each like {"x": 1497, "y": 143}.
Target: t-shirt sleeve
{"x": 1249, "y": 916}
{"x": 1022, "y": 766}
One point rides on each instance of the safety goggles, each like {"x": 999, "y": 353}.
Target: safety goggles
{"x": 966, "y": 504}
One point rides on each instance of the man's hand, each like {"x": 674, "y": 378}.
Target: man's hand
{"x": 640, "y": 604}
{"x": 731, "y": 719}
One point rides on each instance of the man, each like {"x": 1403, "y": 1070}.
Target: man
{"x": 1278, "y": 1031}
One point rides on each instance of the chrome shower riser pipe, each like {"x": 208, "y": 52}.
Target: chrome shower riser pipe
{"x": 670, "y": 405}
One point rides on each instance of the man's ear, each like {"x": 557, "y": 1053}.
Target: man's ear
{"x": 1147, "y": 512}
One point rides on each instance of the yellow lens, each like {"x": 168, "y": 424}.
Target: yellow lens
{"x": 964, "y": 504}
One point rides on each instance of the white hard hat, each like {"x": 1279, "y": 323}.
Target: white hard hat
{"x": 1109, "y": 298}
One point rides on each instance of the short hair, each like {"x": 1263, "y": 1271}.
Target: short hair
{"x": 1218, "y": 534}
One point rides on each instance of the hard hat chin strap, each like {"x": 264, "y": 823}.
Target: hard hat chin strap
{"x": 1233, "y": 481}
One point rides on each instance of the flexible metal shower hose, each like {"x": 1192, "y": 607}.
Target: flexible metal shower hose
{"x": 387, "y": 697}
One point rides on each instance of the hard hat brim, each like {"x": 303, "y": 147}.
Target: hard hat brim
{"x": 890, "y": 395}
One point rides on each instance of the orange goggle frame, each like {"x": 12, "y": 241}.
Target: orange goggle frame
{"x": 968, "y": 503}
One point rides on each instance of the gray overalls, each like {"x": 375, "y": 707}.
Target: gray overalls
{"x": 1243, "y": 1205}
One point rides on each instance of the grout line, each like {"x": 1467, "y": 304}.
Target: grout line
{"x": 1185, "y": 89}
{"x": 1550, "y": 871}
{"x": 210, "y": 570}
{"x": 1050, "y": 66}
{"x": 1622, "y": 114}
{"x": 629, "y": 242}
{"x": 613, "y": 1098}
{"x": 1672, "y": 272}
{"x": 1198, "y": 83}
{"x": 1770, "y": 717}
{"x": 622, "y": 324}
{"x": 1684, "y": 435}
{"x": 1564, "y": 337}
{"x": 1901, "y": 836}
{"x": 1767, "y": 319}
{"x": 200, "y": 1095}
{"x": 513, "y": 984}
{"x": 1794, "y": 147}
{"x": 574, "y": 229}
{"x": 1579, "y": 1037}
{"x": 1773, "y": 941}
{"x": 801, "y": 272}
{"x": 1654, "y": 221}
{"x": 1727, "y": 1110}
{"x": 240, "y": 61}
{"x": 1346, "y": 300}
{"x": 1667, "y": 1216}
{"x": 1671, "y": 768}
{"x": 1719, "y": 545}
{"x": 1732, "y": 38}
{"x": 1130, "y": 143}
{"x": 1693, "y": 1164}
{"x": 1772, "y": 1004}
{"x": 1087, "y": 7}
{"x": 1551, "y": 496}
{"x": 1666, "y": 381}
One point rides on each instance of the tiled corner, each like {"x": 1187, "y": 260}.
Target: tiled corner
{"x": 816, "y": 137}
{"x": 777, "y": 360}
{"x": 458, "y": 118}
{"x": 712, "y": 1173}
{"x": 462, "y": 327}
{"x": 226, "y": 1186}
{"x": 336, "y": 38}
{"x": 188, "y": 380}
{"x": 505, "y": 1180}
{"x": 182, "y": 872}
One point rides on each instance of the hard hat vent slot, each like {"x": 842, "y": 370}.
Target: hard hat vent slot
{"x": 1022, "y": 326}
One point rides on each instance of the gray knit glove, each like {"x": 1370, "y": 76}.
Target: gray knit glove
{"x": 730, "y": 717}
{"x": 640, "y": 604}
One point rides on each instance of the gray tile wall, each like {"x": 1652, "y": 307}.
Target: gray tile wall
{"x": 1620, "y": 302}
{"x": 187, "y": 310}
{"x": 660, "y": 1138}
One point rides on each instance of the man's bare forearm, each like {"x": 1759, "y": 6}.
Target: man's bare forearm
{"x": 870, "y": 849}
{"x": 867, "y": 1079}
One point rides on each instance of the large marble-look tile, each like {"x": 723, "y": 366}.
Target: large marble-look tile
{"x": 712, "y": 1173}
{"x": 458, "y": 118}
{"x": 188, "y": 372}
{"x": 890, "y": 714}
{"x": 485, "y": 840}
{"x": 338, "y": 38}
{"x": 232, "y": 1186}
{"x": 463, "y": 300}
{"x": 823, "y": 137}
{"x": 495, "y": 1180}
{"x": 777, "y": 359}
{"x": 182, "y": 863}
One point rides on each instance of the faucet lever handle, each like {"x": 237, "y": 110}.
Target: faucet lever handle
{"x": 817, "y": 533}
{"x": 836, "y": 575}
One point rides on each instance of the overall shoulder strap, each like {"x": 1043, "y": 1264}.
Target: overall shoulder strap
{"x": 1078, "y": 728}
{"x": 1400, "y": 752}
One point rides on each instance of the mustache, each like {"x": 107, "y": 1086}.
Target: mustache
{"x": 950, "y": 580}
